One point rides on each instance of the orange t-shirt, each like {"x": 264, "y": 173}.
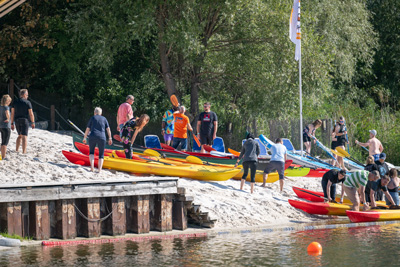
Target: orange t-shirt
{"x": 180, "y": 125}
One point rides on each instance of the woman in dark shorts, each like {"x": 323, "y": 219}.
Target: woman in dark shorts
{"x": 129, "y": 132}
{"x": 5, "y": 124}
{"x": 249, "y": 153}
{"x": 97, "y": 126}
{"x": 309, "y": 132}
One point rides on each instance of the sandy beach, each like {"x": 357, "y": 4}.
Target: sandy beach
{"x": 224, "y": 201}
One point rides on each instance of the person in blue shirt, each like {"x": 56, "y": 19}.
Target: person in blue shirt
{"x": 277, "y": 162}
{"x": 97, "y": 127}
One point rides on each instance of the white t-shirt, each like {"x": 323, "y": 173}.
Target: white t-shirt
{"x": 278, "y": 152}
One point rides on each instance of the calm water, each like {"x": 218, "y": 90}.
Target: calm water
{"x": 362, "y": 246}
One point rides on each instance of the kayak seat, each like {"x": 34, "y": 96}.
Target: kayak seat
{"x": 219, "y": 145}
{"x": 152, "y": 141}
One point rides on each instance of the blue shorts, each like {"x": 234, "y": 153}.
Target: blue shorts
{"x": 176, "y": 141}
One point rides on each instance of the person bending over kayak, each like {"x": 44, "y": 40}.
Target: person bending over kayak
{"x": 380, "y": 185}
{"x": 375, "y": 147}
{"x": 277, "y": 162}
{"x": 309, "y": 132}
{"x": 355, "y": 186}
{"x": 129, "y": 132}
{"x": 329, "y": 181}
{"x": 393, "y": 187}
{"x": 249, "y": 153}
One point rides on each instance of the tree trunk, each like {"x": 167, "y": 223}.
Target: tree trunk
{"x": 163, "y": 51}
{"x": 194, "y": 95}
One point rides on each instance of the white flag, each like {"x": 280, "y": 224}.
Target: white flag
{"x": 294, "y": 28}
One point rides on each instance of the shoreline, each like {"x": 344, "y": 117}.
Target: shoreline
{"x": 204, "y": 233}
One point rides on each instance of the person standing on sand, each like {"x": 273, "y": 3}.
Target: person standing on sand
{"x": 329, "y": 181}
{"x": 207, "y": 126}
{"x": 277, "y": 162}
{"x": 249, "y": 153}
{"x": 355, "y": 185}
{"x": 21, "y": 112}
{"x": 5, "y": 124}
{"x": 129, "y": 132}
{"x": 309, "y": 132}
{"x": 181, "y": 125}
{"x": 340, "y": 136}
{"x": 125, "y": 112}
{"x": 167, "y": 126}
{"x": 97, "y": 127}
{"x": 375, "y": 147}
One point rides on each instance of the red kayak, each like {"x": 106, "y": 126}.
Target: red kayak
{"x": 317, "y": 173}
{"x": 308, "y": 194}
{"x": 79, "y": 159}
{"x": 373, "y": 215}
{"x": 320, "y": 208}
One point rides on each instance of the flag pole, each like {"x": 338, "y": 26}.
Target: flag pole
{"x": 301, "y": 105}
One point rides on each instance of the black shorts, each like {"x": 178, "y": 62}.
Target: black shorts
{"x": 278, "y": 166}
{"x": 5, "y": 136}
{"x": 334, "y": 145}
{"x": 206, "y": 140}
{"x": 22, "y": 125}
{"x": 306, "y": 138}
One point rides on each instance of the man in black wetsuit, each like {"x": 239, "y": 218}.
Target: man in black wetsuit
{"x": 21, "y": 113}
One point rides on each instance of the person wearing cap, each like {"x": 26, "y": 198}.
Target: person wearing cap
{"x": 329, "y": 181}
{"x": 383, "y": 170}
{"x": 374, "y": 145}
{"x": 125, "y": 112}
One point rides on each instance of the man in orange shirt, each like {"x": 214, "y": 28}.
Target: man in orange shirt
{"x": 181, "y": 124}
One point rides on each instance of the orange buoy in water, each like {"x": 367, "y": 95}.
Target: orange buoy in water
{"x": 314, "y": 248}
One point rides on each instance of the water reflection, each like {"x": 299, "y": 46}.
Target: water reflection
{"x": 374, "y": 245}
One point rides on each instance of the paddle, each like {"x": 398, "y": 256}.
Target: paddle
{"x": 196, "y": 140}
{"x": 234, "y": 152}
{"x": 165, "y": 146}
{"x": 174, "y": 100}
{"x": 76, "y": 127}
{"x": 304, "y": 191}
{"x": 151, "y": 152}
{"x": 344, "y": 152}
{"x": 208, "y": 148}
{"x": 337, "y": 153}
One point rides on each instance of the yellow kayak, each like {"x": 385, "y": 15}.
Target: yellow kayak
{"x": 193, "y": 171}
{"x": 272, "y": 177}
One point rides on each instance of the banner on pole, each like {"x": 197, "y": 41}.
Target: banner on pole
{"x": 294, "y": 28}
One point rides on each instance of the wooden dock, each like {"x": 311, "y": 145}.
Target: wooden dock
{"x": 91, "y": 209}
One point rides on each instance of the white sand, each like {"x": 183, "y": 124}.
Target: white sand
{"x": 224, "y": 201}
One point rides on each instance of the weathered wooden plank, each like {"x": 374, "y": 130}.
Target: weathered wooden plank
{"x": 161, "y": 216}
{"x": 25, "y": 219}
{"x": 137, "y": 180}
{"x": 57, "y": 193}
{"x": 137, "y": 214}
{"x": 118, "y": 216}
{"x": 179, "y": 215}
{"x": 39, "y": 220}
{"x": 94, "y": 225}
{"x": 10, "y": 218}
{"x": 65, "y": 219}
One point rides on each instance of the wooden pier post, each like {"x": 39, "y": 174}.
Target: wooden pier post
{"x": 90, "y": 207}
{"x": 39, "y": 222}
{"x": 138, "y": 214}
{"x": 65, "y": 225}
{"x": 161, "y": 215}
{"x": 115, "y": 224}
{"x": 10, "y": 218}
{"x": 179, "y": 215}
